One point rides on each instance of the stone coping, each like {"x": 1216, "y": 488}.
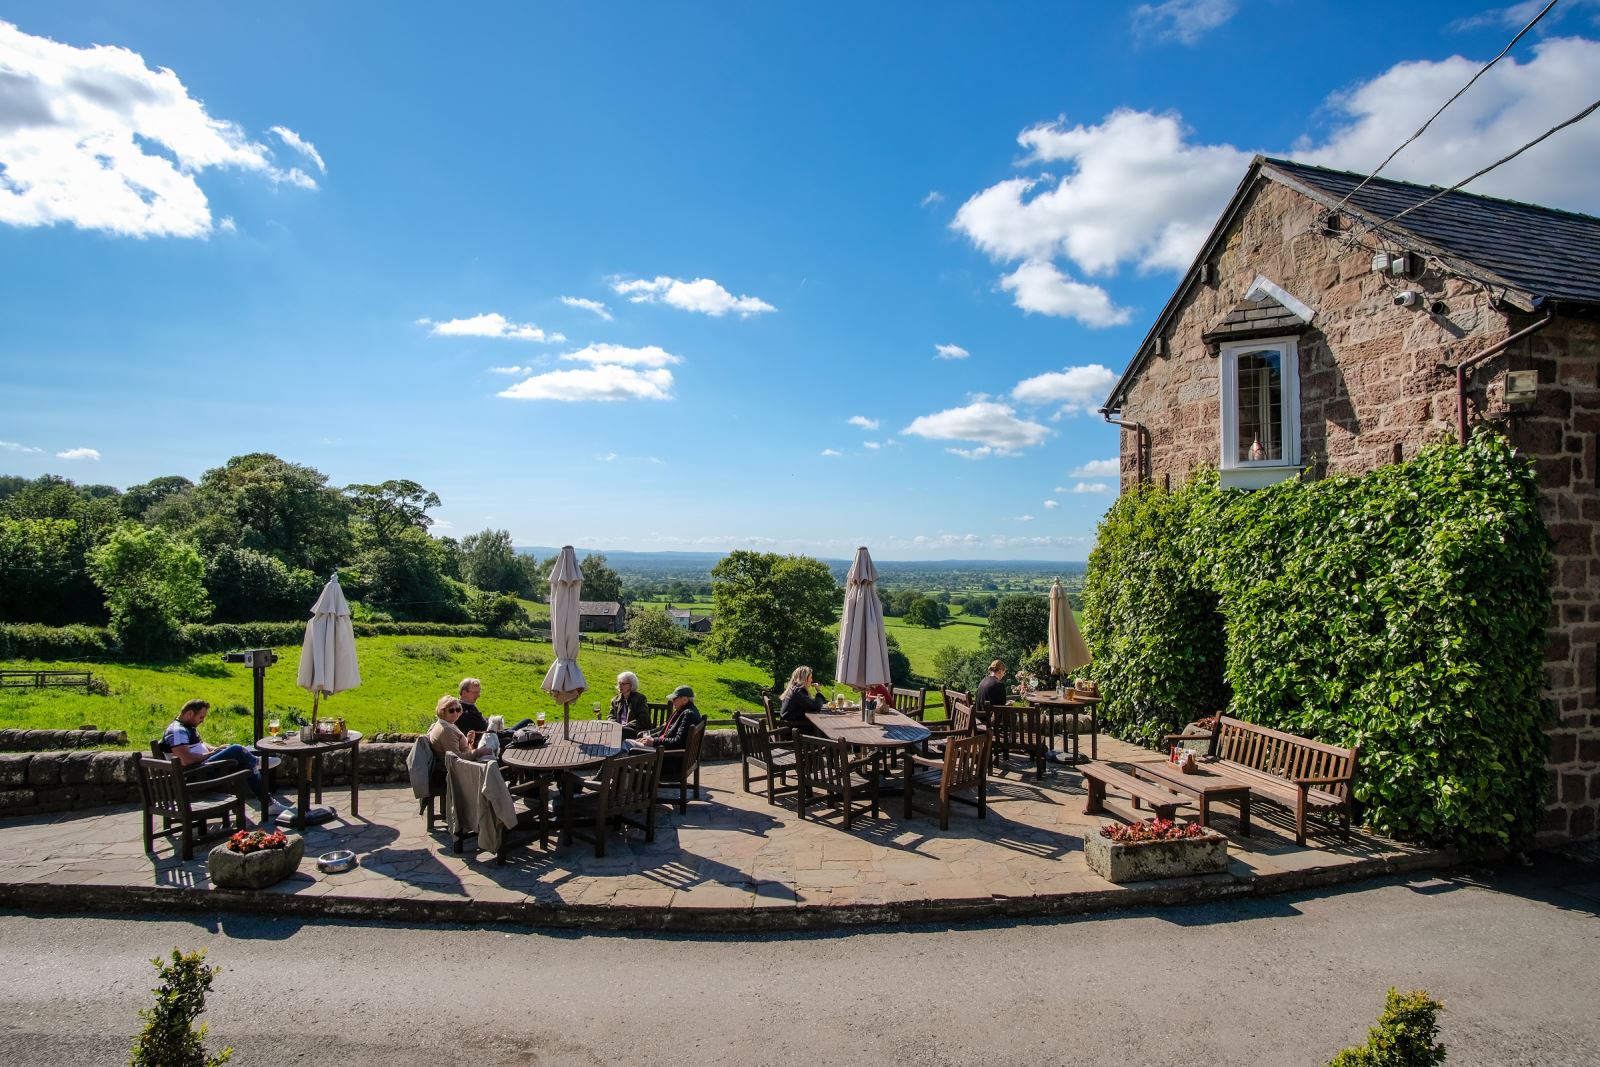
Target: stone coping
{"x": 730, "y": 863}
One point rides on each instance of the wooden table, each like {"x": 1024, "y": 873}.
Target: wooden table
{"x": 591, "y": 743}
{"x": 309, "y": 756}
{"x": 890, "y": 732}
{"x": 1206, "y": 784}
{"x": 1073, "y": 704}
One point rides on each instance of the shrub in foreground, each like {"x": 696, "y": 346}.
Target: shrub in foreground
{"x": 169, "y": 1037}
{"x": 1404, "y": 1036}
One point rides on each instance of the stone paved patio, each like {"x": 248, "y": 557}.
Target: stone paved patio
{"x": 732, "y": 861}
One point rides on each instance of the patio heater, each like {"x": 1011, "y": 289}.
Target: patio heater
{"x": 258, "y": 660}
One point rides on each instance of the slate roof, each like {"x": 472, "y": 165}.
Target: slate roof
{"x": 1261, "y": 317}
{"x": 1545, "y": 253}
{"x": 598, "y": 607}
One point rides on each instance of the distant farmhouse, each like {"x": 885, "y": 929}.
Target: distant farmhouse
{"x": 1337, "y": 329}
{"x": 683, "y": 619}
{"x": 606, "y": 616}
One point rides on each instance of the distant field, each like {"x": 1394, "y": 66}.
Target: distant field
{"x": 919, "y": 643}
{"x": 402, "y": 678}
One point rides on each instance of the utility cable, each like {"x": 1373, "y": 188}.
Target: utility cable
{"x": 1423, "y": 128}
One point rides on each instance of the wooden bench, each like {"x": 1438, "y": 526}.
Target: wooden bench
{"x": 1298, "y": 773}
{"x": 46, "y": 680}
{"x": 1096, "y": 776}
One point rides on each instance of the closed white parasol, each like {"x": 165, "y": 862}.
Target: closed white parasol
{"x": 863, "y": 647}
{"x": 564, "y": 681}
{"x": 328, "y": 654}
{"x": 1068, "y": 651}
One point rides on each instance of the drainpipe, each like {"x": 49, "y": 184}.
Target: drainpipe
{"x": 1472, "y": 361}
{"x": 1139, "y": 435}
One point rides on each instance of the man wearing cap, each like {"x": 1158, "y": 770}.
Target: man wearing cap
{"x": 675, "y": 734}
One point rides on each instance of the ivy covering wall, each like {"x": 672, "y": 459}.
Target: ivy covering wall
{"x": 1403, "y": 610}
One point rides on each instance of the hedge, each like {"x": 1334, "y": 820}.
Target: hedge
{"x": 1403, "y": 610}
{"x": 33, "y": 641}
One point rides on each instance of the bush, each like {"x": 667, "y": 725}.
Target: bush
{"x": 1402, "y": 611}
{"x": 33, "y": 641}
{"x": 495, "y": 612}
{"x": 169, "y": 1037}
{"x": 958, "y": 668}
{"x": 153, "y": 583}
{"x": 28, "y": 640}
{"x": 654, "y": 628}
{"x": 1404, "y": 1036}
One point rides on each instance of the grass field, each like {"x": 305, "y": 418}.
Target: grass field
{"x": 402, "y": 677}
{"x": 920, "y": 643}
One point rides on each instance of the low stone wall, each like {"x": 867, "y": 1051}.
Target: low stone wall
{"x": 50, "y": 740}
{"x": 33, "y": 783}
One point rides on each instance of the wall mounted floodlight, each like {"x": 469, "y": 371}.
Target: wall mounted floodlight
{"x": 1522, "y": 386}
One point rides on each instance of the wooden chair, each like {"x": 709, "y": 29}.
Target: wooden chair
{"x": 659, "y": 714}
{"x": 765, "y": 748}
{"x": 1019, "y": 734}
{"x": 962, "y": 723}
{"x": 825, "y": 768}
{"x": 771, "y": 708}
{"x": 165, "y": 789}
{"x": 686, "y": 775}
{"x": 963, "y": 766}
{"x": 950, "y": 696}
{"x": 624, "y": 795}
{"x": 912, "y": 703}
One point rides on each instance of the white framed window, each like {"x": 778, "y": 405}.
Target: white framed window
{"x": 1261, "y": 408}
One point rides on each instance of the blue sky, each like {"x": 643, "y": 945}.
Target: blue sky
{"x": 623, "y": 276}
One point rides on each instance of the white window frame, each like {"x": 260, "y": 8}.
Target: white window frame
{"x": 1288, "y": 349}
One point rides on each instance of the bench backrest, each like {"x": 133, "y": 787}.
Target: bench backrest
{"x": 1284, "y": 755}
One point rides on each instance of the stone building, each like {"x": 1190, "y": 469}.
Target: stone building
{"x": 602, "y": 616}
{"x": 1317, "y": 331}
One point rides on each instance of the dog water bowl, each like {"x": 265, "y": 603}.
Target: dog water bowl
{"x": 334, "y": 862}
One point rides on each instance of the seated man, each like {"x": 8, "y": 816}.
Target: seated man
{"x": 472, "y": 720}
{"x": 675, "y": 734}
{"x": 182, "y": 742}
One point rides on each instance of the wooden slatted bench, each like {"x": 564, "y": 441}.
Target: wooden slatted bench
{"x": 1096, "y": 776}
{"x": 46, "y": 680}
{"x": 1298, "y": 773}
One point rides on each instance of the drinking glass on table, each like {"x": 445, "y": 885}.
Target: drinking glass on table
{"x": 273, "y": 726}
{"x": 539, "y": 718}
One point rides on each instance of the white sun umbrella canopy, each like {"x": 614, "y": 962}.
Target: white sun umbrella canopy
{"x": 863, "y": 646}
{"x": 328, "y": 654}
{"x": 564, "y": 681}
{"x": 1068, "y": 651}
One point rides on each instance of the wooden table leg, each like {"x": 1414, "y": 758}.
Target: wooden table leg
{"x": 316, "y": 775}
{"x": 1094, "y": 732}
{"x": 1095, "y": 800}
{"x": 1205, "y": 810}
{"x": 1077, "y": 746}
{"x": 906, "y": 756}
{"x": 355, "y": 778}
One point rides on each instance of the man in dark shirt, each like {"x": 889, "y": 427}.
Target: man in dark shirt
{"x": 182, "y": 742}
{"x": 675, "y": 734}
{"x": 471, "y": 718}
{"x": 992, "y": 690}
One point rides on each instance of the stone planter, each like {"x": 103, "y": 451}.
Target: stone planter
{"x": 1145, "y": 860}
{"x": 254, "y": 870}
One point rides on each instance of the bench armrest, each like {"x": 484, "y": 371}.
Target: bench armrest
{"x": 1342, "y": 780}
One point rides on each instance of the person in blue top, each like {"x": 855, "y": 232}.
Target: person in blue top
{"x": 182, "y": 742}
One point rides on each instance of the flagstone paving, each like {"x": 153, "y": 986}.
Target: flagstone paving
{"x": 731, "y": 853}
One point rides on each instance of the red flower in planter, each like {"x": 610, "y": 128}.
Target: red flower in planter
{"x": 247, "y": 841}
{"x": 1151, "y": 830}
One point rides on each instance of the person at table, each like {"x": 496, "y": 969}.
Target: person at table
{"x": 182, "y": 743}
{"x": 882, "y": 694}
{"x": 472, "y": 720}
{"x": 629, "y": 707}
{"x": 675, "y": 734}
{"x": 992, "y": 690}
{"x": 798, "y": 701}
{"x": 445, "y": 735}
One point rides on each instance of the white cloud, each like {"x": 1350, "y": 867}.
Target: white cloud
{"x": 603, "y": 383}
{"x": 873, "y": 445}
{"x": 702, "y": 295}
{"x": 1091, "y": 487}
{"x": 1076, "y": 389}
{"x": 588, "y": 305}
{"x": 1024, "y": 518}
{"x": 1184, "y": 21}
{"x": 79, "y": 453}
{"x": 606, "y": 457}
{"x": 227, "y": 225}
{"x": 863, "y": 422}
{"x": 622, "y": 356}
{"x": 1039, "y": 286}
{"x": 1052, "y": 503}
{"x": 994, "y": 426}
{"x": 1518, "y": 15}
{"x": 301, "y": 145}
{"x": 490, "y": 324}
{"x": 950, "y": 352}
{"x": 95, "y": 138}
{"x": 1097, "y": 468}
{"x": 934, "y": 197}
{"x": 510, "y": 370}
{"x": 13, "y": 446}
{"x": 831, "y": 452}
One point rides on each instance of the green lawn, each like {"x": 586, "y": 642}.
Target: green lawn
{"x": 920, "y": 643}
{"x": 402, "y": 677}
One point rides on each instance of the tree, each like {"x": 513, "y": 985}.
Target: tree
{"x": 169, "y": 1037}
{"x": 654, "y": 628}
{"x": 250, "y": 586}
{"x": 489, "y": 561}
{"x": 899, "y": 662}
{"x": 496, "y": 611}
{"x": 773, "y": 611}
{"x": 42, "y": 574}
{"x": 262, "y": 502}
{"x": 600, "y": 582}
{"x": 153, "y": 584}
{"x": 139, "y": 499}
{"x": 406, "y": 578}
{"x": 959, "y": 668}
{"x": 1017, "y": 624}
{"x": 924, "y": 612}
{"x": 384, "y": 510}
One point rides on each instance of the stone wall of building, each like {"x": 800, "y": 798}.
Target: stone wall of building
{"x": 1377, "y": 382}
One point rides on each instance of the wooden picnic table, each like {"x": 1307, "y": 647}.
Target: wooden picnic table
{"x": 591, "y": 743}
{"x": 309, "y": 756}
{"x": 1206, "y": 784}
{"x": 891, "y": 732}
{"x": 1071, "y": 703}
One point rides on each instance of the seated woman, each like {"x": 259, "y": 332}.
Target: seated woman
{"x": 798, "y": 702}
{"x": 445, "y": 737}
{"x": 629, "y": 706}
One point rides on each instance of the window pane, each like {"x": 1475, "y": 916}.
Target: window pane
{"x": 1260, "y": 406}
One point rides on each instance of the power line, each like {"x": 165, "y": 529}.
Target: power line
{"x": 1423, "y": 128}
{"x": 1579, "y": 117}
